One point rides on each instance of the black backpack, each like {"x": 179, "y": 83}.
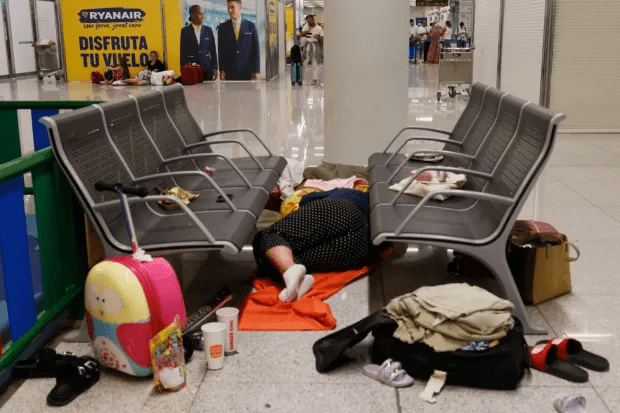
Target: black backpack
{"x": 296, "y": 54}
{"x": 499, "y": 368}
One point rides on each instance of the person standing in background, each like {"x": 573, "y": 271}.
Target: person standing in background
{"x": 314, "y": 35}
{"x": 463, "y": 35}
{"x": 436, "y": 35}
{"x": 423, "y": 35}
{"x": 198, "y": 44}
{"x": 238, "y": 46}
{"x": 413, "y": 29}
{"x": 448, "y": 33}
{"x": 413, "y": 35}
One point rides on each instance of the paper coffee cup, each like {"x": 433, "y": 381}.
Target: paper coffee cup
{"x": 214, "y": 335}
{"x": 230, "y": 317}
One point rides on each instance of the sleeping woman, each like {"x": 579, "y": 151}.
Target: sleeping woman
{"x": 329, "y": 232}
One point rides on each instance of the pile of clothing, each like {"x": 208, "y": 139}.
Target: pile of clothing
{"x": 451, "y": 317}
{"x": 462, "y": 331}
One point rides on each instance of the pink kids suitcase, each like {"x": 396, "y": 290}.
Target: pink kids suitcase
{"x": 129, "y": 299}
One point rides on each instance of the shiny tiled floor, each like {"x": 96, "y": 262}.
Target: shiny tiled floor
{"x": 275, "y": 372}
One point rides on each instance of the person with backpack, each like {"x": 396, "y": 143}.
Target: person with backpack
{"x": 296, "y": 62}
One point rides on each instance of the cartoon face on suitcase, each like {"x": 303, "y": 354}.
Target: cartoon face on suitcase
{"x": 118, "y": 317}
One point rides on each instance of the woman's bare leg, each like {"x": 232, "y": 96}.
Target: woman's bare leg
{"x": 297, "y": 282}
{"x": 280, "y": 258}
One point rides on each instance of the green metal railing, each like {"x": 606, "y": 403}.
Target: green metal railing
{"x": 61, "y": 234}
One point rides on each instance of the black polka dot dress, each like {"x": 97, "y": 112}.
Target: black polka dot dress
{"x": 328, "y": 234}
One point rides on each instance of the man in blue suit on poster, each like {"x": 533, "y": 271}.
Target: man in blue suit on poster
{"x": 198, "y": 44}
{"x": 238, "y": 46}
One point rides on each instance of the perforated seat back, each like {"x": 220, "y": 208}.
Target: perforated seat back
{"x": 480, "y": 127}
{"x": 128, "y": 135}
{"x": 468, "y": 116}
{"x": 87, "y": 156}
{"x": 158, "y": 125}
{"x": 498, "y": 139}
{"x": 524, "y": 155}
{"x": 176, "y": 104}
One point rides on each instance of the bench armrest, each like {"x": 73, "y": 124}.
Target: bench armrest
{"x": 250, "y": 131}
{"x": 184, "y": 208}
{"x": 416, "y": 128}
{"x": 188, "y": 173}
{"x": 437, "y": 168}
{"x": 199, "y": 144}
{"x": 455, "y": 192}
{"x": 208, "y": 155}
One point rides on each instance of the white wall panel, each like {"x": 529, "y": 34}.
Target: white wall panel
{"x": 522, "y": 48}
{"x": 486, "y": 39}
{"x": 585, "y": 77}
{"x": 22, "y": 36}
{"x": 46, "y": 20}
{"x": 4, "y": 61}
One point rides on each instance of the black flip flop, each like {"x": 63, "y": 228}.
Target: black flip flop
{"x": 544, "y": 357}
{"x": 74, "y": 379}
{"x": 46, "y": 364}
{"x": 572, "y": 351}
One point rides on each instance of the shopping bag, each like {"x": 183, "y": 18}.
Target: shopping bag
{"x": 540, "y": 265}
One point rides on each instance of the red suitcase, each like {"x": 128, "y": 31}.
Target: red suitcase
{"x": 192, "y": 74}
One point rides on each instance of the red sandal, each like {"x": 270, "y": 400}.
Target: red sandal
{"x": 572, "y": 351}
{"x": 544, "y": 357}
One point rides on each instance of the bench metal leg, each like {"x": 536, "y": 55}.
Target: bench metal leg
{"x": 494, "y": 257}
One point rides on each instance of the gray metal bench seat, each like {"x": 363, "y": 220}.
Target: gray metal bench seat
{"x": 452, "y": 142}
{"x": 170, "y": 144}
{"x": 481, "y": 230}
{"x": 483, "y": 159}
{"x": 176, "y": 106}
{"x": 469, "y": 142}
{"x": 141, "y": 158}
{"x": 82, "y": 148}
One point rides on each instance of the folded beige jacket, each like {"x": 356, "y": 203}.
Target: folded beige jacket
{"x": 446, "y": 317}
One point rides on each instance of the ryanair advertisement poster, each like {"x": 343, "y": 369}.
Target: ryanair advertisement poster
{"x": 230, "y": 40}
{"x": 98, "y": 33}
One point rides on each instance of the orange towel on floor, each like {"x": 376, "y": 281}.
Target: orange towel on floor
{"x": 263, "y": 311}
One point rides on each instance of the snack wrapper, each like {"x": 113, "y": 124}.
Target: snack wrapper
{"x": 168, "y": 358}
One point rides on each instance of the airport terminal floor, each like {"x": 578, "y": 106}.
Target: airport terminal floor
{"x": 579, "y": 193}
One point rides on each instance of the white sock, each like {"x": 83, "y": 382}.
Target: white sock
{"x": 292, "y": 277}
{"x": 305, "y": 286}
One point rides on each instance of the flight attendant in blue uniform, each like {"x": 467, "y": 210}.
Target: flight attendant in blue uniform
{"x": 198, "y": 44}
{"x": 238, "y": 46}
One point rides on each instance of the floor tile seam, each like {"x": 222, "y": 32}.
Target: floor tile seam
{"x": 383, "y": 296}
{"x": 602, "y": 399}
{"x": 576, "y": 192}
{"x": 555, "y": 334}
{"x": 399, "y": 408}
{"x": 202, "y": 381}
{"x": 600, "y": 208}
